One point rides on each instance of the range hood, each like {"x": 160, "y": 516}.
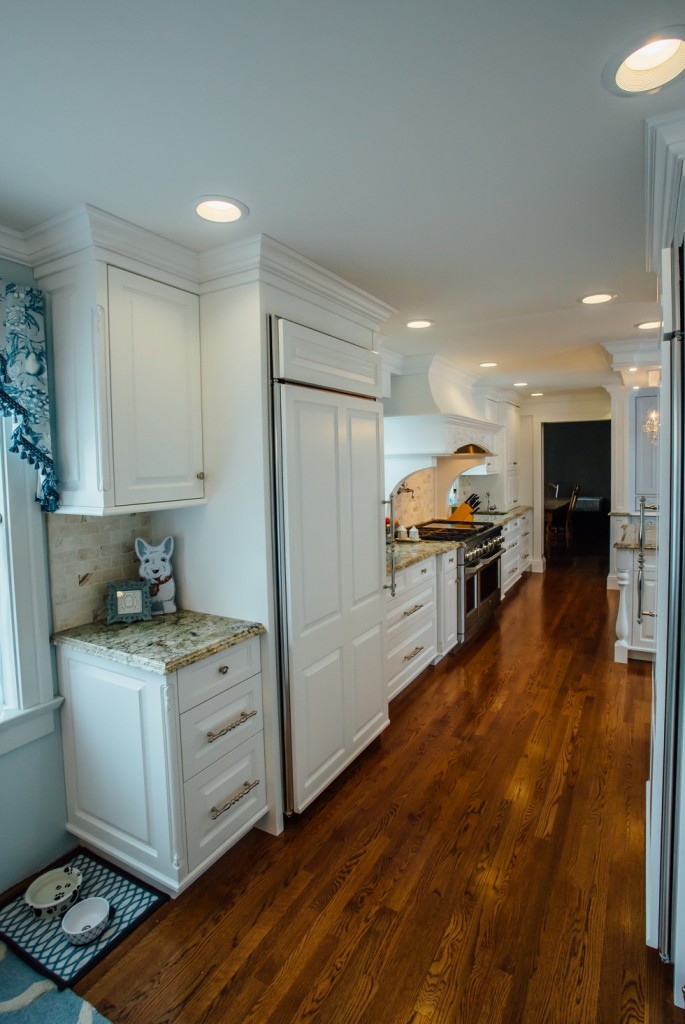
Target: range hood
{"x": 432, "y": 415}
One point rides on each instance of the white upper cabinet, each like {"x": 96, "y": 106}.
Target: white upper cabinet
{"x": 127, "y": 390}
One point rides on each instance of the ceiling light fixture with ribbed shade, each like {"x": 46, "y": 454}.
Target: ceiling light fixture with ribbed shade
{"x": 648, "y": 64}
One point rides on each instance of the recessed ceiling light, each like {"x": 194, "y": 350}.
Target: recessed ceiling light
{"x": 488, "y": 364}
{"x": 419, "y": 325}
{"x": 636, "y": 387}
{"x": 594, "y": 300}
{"x": 648, "y": 63}
{"x": 521, "y": 384}
{"x": 649, "y": 325}
{"x": 220, "y": 209}
{"x": 632, "y": 369}
{"x": 537, "y": 394}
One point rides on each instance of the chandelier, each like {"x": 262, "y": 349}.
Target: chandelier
{"x": 651, "y": 425}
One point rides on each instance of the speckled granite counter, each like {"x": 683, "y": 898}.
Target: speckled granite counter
{"x": 164, "y": 644}
{"x": 411, "y": 552}
{"x": 623, "y": 545}
{"x": 500, "y": 518}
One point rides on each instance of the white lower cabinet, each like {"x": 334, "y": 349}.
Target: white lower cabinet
{"x": 516, "y": 550}
{"x": 447, "y": 596}
{"x": 163, "y": 773}
{"x": 411, "y": 625}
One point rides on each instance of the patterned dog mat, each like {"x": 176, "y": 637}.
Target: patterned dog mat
{"x": 43, "y": 943}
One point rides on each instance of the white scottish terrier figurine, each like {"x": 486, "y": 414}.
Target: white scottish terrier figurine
{"x": 155, "y": 566}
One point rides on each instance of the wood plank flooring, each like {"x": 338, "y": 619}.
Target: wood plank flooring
{"x": 481, "y": 863}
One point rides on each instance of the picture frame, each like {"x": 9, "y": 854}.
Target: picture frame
{"x": 129, "y": 601}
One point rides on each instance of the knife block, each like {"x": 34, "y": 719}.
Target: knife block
{"x": 462, "y": 512}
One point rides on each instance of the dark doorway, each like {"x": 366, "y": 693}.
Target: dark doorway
{"x": 580, "y": 453}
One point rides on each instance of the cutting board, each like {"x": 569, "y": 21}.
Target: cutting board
{"x": 462, "y": 512}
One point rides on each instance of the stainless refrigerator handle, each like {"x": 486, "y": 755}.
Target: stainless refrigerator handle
{"x": 641, "y": 557}
{"x": 392, "y": 586}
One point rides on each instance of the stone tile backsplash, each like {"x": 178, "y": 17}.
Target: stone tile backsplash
{"x": 85, "y": 553}
{"x": 418, "y": 507}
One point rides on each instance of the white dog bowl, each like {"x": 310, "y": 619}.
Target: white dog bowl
{"x": 50, "y": 895}
{"x": 86, "y": 921}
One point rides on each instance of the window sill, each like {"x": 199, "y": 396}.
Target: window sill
{"x": 20, "y": 727}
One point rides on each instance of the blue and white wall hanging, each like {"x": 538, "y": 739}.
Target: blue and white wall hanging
{"x": 24, "y": 383}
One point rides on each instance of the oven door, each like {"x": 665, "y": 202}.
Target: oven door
{"x": 489, "y": 584}
{"x": 467, "y": 616}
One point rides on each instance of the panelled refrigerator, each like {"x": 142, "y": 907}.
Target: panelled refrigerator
{"x": 327, "y": 459}
{"x": 665, "y": 837}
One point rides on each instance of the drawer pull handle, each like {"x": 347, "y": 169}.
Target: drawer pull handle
{"x": 411, "y": 611}
{"x": 223, "y": 669}
{"x": 244, "y": 716}
{"x": 417, "y": 650}
{"x": 232, "y": 801}
{"x": 424, "y": 571}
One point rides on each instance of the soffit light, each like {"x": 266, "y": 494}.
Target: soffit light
{"x": 649, "y": 325}
{"x": 220, "y": 209}
{"x": 648, "y": 63}
{"x": 521, "y": 384}
{"x": 487, "y": 364}
{"x": 537, "y": 394}
{"x": 597, "y": 298}
{"x": 632, "y": 369}
{"x": 419, "y": 325}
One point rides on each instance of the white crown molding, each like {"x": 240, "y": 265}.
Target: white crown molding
{"x": 665, "y": 206}
{"x": 13, "y": 246}
{"x": 87, "y": 227}
{"x": 262, "y": 257}
{"x": 54, "y": 244}
{"x": 391, "y": 362}
{"x": 645, "y": 353}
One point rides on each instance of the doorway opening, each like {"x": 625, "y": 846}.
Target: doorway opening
{"x": 578, "y": 454}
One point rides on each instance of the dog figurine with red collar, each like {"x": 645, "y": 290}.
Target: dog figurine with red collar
{"x": 155, "y": 566}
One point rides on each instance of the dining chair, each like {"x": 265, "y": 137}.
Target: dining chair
{"x": 562, "y": 532}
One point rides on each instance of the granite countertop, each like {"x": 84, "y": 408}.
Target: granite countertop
{"x": 500, "y": 518}
{"x": 628, "y": 546}
{"x": 412, "y": 552}
{"x": 164, "y": 644}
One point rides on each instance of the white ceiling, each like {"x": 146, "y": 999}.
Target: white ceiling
{"x": 459, "y": 160}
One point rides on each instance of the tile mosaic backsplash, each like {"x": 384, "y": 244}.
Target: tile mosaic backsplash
{"x": 85, "y": 553}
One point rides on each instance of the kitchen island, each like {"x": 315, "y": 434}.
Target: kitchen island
{"x": 162, "y": 731}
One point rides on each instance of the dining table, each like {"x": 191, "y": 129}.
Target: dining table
{"x": 553, "y": 505}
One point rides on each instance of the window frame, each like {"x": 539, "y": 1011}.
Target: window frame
{"x": 27, "y": 693}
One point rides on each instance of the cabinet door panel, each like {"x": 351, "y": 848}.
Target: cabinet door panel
{"x": 155, "y": 382}
{"x": 331, "y": 447}
{"x": 115, "y": 759}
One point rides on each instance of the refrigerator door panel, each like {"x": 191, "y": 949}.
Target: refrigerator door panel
{"x": 332, "y": 582}
{"x": 304, "y": 356}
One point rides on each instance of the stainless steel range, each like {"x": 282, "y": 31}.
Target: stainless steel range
{"x": 479, "y": 552}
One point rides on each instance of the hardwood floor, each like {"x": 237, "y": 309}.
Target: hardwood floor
{"x": 481, "y": 863}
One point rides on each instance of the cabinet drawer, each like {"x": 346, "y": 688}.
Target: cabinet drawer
{"x": 211, "y": 676}
{"x": 223, "y": 799}
{"x": 409, "y": 657}
{"x": 410, "y": 608}
{"x": 419, "y": 573}
{"x": 221, "y": 723}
